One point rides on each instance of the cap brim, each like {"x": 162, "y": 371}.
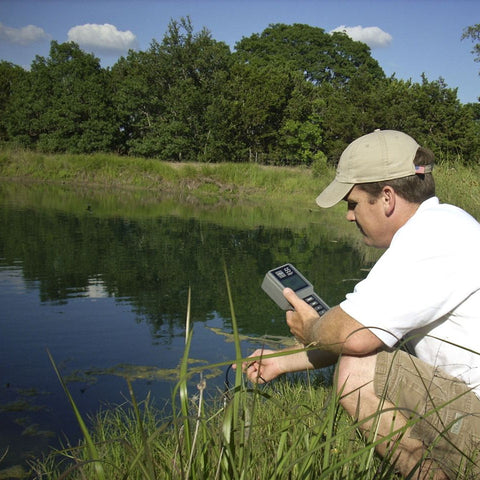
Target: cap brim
{"x": 335, "y": 192}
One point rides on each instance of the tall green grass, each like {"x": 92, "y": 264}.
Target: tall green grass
{"x": 459, "y": 185}
{"x": 292, "y": 428}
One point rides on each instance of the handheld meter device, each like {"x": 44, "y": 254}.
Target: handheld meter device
{"x": 288, "y": 276}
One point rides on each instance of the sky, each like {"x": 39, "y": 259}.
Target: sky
{"x": 407, "y": 37}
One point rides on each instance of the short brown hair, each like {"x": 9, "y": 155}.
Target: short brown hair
{"x": 414, "y": 188}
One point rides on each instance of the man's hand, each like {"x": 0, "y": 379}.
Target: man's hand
{"x": 302, "y": 320}
{"x": 269, "y": 364}
{"x": 264, "y": 369}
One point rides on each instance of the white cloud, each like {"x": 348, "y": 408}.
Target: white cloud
{"x": 106, "y": 37}
{"x": 22, "y": 36}
{"x": 374, "y": 37}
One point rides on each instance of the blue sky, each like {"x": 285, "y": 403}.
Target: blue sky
{"x": 407, "y": 37}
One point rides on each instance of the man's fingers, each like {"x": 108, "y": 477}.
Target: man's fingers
{"x": 297, "y": 303}
{"x": 246, "y": 365}
{"x": 253, "y": 368}
{"x": 291, "y": 297}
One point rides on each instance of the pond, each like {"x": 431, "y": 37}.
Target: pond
{"x": 101, "y": 281}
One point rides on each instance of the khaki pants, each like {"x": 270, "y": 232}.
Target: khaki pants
{"x": 445, "y": 411}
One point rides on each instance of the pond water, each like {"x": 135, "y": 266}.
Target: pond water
{"x": 102, "y": 283}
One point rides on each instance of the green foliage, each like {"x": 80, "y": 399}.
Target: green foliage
{"x": 63, "y": 104}
{"x": 301, "y": 138}
{"x": 255, "y": 100}
{"x": 320, "y": 56}
{"x": 350, "y": 111}
{"x": 10, "y": 76}
{"x": 433, "y": 115}
{"x": 290, "y": 95}
{"x": 319, "y": 166}
{"x": 473, "y": 32}
{"x": 164, "y": 94}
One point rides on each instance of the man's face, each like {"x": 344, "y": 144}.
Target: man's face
{"x": 370, "y": 217}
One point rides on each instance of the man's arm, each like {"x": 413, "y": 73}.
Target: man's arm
{"x": 271, "y": 364}
{"x": 335, "y": 331}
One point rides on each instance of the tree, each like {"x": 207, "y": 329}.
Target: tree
{"x": 301, "y": 135}
{"x": 163, "y": 95}
{"x": 138, "y": 92}
{"x": 64, "y": 104}
{"x": 293, "y": 94}
{"x": 431, "y": 112}
{"x": 340, "y": 73}
{"x": 445, "y": 124}
{"x": 473, "y": 32}
{"x": 320, "y": 56}
{"x": 256, "y": 98}
{"x": 10, "y": 77}
{"x": 349, "y": 111}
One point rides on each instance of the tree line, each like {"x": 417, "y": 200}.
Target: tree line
{"x": 291, "y": 95}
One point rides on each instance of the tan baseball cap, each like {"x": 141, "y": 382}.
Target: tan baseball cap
{"x": 380, "y": 155}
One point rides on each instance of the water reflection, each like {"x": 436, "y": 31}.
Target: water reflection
{"x": 107, "y": 295}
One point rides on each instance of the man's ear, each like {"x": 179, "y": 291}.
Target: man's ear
{"x": 388, "y": 198}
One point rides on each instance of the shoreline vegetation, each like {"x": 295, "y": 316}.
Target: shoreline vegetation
{"x": 290, "y": 429}
{"x": 231, "y": 181}
{"x": 210, "y": 184}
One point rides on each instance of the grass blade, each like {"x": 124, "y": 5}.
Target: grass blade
{"x": 92, "y": 450}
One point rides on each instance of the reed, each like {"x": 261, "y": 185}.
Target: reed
{"x": 91, "y": 449}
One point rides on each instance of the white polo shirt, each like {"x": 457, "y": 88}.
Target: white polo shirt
{"x": 426, "y": 287}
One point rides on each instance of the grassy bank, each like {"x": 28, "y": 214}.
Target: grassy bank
{"x": 287, "y": 430}
{"x": 248, "y": 184}
{"x": 246, "y": 181}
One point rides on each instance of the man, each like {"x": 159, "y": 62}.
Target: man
{"x": 423, "y": 293}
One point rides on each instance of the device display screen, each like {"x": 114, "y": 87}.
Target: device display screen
{"x": 289, "y": 278}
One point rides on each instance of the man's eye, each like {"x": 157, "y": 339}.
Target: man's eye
{"x": 352, "y": 205}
